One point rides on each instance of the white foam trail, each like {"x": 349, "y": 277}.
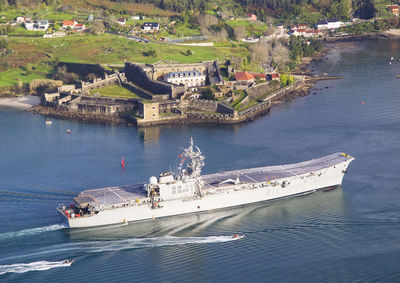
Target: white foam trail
{"x": 136, "y": 243}
{"x": 37, "y": 265}
{"x": 32, "y": 231}
{"x": 124, "y": 244}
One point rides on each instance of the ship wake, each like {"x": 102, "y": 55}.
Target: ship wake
{"x": 32, "y": 266}
{"x": 75, "y": 249}
{"x": 31, "y": 231}
{"x": 137, "y": 243}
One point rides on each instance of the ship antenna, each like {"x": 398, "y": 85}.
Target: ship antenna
{"x": 195, "y": 160}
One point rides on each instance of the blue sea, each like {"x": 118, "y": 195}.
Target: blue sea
{"x": 351, "y": 234}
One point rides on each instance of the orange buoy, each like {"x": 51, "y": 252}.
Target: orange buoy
{"x": 68, "y": 131}
{"x": 362, "y": 102}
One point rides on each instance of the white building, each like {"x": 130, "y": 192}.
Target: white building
{"x": 151, "y": 27}
{"x": 329, "y": 24}
{"x": 188, "y": 78}
{"x": 69, "y": 24}
{"x": 41, "y": 25}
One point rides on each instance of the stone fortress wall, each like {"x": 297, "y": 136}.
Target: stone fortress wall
{"x": 168, "y": 104}
{"x": 141, "y": 75}
{"x": 116, "y": 78}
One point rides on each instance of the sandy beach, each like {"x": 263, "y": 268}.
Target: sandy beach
{"x": 22, "y": 102}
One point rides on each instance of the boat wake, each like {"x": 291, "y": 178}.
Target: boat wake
{"x": 31, "y": 231}
{"x": 137, "y": 243}
{"x": 32, "y": 266}
{"x": 91, "y": 247}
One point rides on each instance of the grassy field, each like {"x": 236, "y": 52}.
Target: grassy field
{"x": 39, "y": 53}
{"x": 114, "y": 91}
{"x": 111, "y": 49}
{"x": 14, "y": 76}
{"x": 252, "y": 28}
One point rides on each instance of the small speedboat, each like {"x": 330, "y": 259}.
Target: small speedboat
{"x": 68, "y": 262}
{"x": 237, "y": 236}
{"x": 48, "y": 122}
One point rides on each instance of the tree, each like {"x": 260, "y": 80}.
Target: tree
{"x": 284, "y": 80}
{"x": 44, "y": 85}
{"x": 3, "y": 5}
{"x": 3, "y": 44}
{"x": 260, "y": 53}
{"x": 208, "y": 94}
{"x": 189, "y": 52}
{"x": 280, "y": 55}
{"x": 345, "y": 10}
{"x": 240, "y": 32}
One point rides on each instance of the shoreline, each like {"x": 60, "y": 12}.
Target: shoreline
{"x": 19, "y": 102}
{"x": 31, "y": 105}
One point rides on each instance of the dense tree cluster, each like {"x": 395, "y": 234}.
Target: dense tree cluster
{"x": 3, "y": 44}
{"x": 299, "y": 47}
{"x": 343, "y": 9}
{"x": 172, "y": 5}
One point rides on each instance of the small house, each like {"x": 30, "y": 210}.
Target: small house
{"x": 151, "y": 27}
{"x": 259, "y": 76}
{"x": 79, "y": 27}
{"x": 252, "y": 17}
{"x": 244, "y": 77}
{"x": 121, "y": 21}
{"x": 20, "y": 20}
{"x": 329, "y": 24}
{"x": 394, "y": 9}
{"x": 69, "y": 24}
{"x": 41, "y": 25}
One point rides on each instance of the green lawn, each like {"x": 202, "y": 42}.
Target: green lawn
{"x": 114, "y": 91}
{"x": 104, "y": 49}
{"x": 13, "y": 76}
{"x": 111, "y": 49}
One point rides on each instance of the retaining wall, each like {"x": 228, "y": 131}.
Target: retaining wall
{"x": 257, "y": 90}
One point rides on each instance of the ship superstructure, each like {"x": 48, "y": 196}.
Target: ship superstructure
{"x": 187, "y": 191}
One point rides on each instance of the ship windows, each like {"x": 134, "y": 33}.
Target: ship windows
{"x": 173, "y": 190}
{"x": 179, "y": 189}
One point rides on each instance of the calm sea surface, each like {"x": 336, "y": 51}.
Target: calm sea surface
{"x": 349, "y": 234}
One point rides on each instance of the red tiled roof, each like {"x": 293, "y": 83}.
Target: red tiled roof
{"x": 244, "y": 76}
{"x": 301, "y": 30}
{"x": 275, "y": 76}
{"x": 259, "y": 76}
{"x": 68, "y": 23}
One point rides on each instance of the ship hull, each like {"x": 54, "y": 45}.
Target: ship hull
{"x": 328, "y": 177}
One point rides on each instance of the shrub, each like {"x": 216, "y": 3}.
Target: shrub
{"x": 44, "y": 85}
{"x": 208, "y": 94}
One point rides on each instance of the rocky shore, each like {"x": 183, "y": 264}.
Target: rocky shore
{"x": 87, "y": 117}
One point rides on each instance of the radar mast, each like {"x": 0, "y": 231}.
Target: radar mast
{"x": 195, "y": 160}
